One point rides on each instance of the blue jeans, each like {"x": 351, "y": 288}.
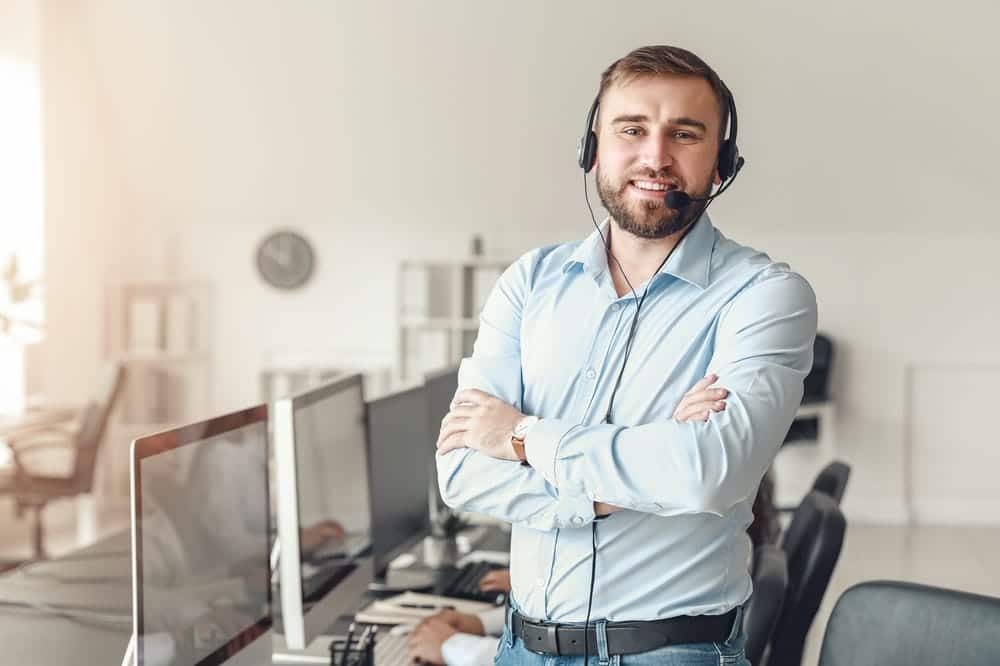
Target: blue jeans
{"x": 511, "y": 652}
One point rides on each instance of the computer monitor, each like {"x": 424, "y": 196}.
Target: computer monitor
{"x": 321, "y": 467}
{"x": 399, "y": 459}
{"x": 441, "y": 386}
{"x": 201, "y": 589}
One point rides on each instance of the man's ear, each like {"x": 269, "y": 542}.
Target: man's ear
{"x": 716, "y": 180}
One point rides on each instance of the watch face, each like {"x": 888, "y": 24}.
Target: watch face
{"x": 285, "y": 260}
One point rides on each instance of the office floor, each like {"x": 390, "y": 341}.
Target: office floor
{"x": 956, "y": 557}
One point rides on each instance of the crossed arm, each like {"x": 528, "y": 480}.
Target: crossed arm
{"x": 687, "y": 464}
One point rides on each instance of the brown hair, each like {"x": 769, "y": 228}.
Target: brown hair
{"x": 664, "y": 60}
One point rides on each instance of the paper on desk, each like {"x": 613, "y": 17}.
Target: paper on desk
{"x": 392, "y": 610}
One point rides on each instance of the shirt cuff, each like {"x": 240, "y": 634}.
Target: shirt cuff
{"x": 468, "y": 650}
{"x": 493, "y": 620}
{"x": 542, "y": 444}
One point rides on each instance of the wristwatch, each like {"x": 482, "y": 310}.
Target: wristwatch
{"x": 517, "y": 437}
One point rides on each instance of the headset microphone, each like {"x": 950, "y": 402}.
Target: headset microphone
{"x": 679, "y": 199}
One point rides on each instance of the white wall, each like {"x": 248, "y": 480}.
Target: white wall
{"x": 392, "y": 129}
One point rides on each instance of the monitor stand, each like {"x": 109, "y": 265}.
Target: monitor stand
{"x": 401, "y": 580}
{"x": 317, "y": 652}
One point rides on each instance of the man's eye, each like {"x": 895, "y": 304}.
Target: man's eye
{"x": 631, "y": 131}
{"x": 685, "y": 136}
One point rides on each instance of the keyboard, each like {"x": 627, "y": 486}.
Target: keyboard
{"x": 464, "y": 584}
{"x": 390, "y": 650}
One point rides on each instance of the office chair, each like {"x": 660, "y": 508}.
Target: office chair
{"x": 31, "y": 489}
{"x": 832, "y": 480}
{"x": 817, "y": 382}
{"x": 889, "y": 623}
{"x": 770, "y": 584}
{"x": 812, "y": 545}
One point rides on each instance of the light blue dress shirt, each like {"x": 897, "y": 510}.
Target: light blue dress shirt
{"x": 551, "y": 340}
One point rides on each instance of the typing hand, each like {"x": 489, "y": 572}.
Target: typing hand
{"x": 314, "y": 536}
{"x": 467, "y": 623}
{"x": 424, "y": 644}
{"x": 701, "y": 400}
{"x": 479, "y": 421}
{"x": 498, "y": 580}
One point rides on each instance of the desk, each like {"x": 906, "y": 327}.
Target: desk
{"x": 30, "y": 637}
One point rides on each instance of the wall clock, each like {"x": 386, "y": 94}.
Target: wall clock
{"x": 285, "y": 259}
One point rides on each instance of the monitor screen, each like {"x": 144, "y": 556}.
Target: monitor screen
{"x": 331, "y": 469}
{"x": 400, "y": 452}
{"x": 324, "y": 520}
{"x": 201, "y": 541}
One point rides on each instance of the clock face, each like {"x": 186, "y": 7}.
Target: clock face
{"x": 285, "y": 260}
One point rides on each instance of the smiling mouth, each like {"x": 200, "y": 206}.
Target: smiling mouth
{"x": 654, "y": 189}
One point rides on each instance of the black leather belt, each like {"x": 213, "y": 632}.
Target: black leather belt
{"x": 623, "y": 637}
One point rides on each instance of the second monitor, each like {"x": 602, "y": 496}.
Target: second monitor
{"x": 400, "y": 458}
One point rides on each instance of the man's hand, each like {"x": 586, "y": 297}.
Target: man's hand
{"x": 700, "y": 401}
{"x": 694, "y": 406}
{"x": 498, "y": 580}
{"x": 479, "y": 421}
{"x": 427, "y": 637}
{"x": 605, "y": 509}
{"x": 467, "y": 623}
{"x": 314, "y": 536}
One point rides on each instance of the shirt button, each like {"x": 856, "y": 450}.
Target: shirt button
{"x": 615, "y": 307}
{"x": 541, "y": 582}
{"x": 591, "y": 373}
{"x": 578, "y": 520}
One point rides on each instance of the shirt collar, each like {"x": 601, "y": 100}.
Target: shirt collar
{"x": 691, "y": 261}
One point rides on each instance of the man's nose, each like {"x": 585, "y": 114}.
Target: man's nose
{"x": 656, "y": 153}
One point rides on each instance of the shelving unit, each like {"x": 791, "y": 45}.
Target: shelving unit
{"x": 161, "y": 332}
{"x": 439, "y": 306}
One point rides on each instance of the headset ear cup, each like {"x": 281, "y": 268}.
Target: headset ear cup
{"x": 727, "y": 159}
{"x": 588, "y": 151}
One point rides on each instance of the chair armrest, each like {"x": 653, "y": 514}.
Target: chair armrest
{"x": 41, "y": 437}
{"x": 37, "y": 442}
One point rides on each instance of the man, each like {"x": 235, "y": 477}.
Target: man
{"x": 624, "y": 510}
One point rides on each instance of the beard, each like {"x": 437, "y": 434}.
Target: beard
{"x": 647, "y": 219}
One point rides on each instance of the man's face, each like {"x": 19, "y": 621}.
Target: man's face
{"x": 656, "y": 133}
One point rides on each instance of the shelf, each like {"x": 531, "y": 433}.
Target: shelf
{"x": 470, "y": 262}
{"x": 152, "y": 358}
{"x": 439, "y": 323}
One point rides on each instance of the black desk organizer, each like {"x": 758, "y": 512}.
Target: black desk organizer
{"x": 360, "y": 652}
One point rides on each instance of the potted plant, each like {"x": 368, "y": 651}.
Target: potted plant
{"x": 441, "y": 547}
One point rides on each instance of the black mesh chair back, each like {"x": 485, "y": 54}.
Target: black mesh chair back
{"x": 817, "y": 382}
{"x": 887, "y": 623}
{"x": 761, "y": 612}
{"x": 832, "y": 480}
{"x": 812, "y": 545}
